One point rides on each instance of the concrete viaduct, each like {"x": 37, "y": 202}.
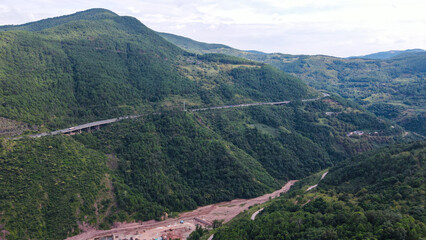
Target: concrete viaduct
{"x": 96, "y": 125}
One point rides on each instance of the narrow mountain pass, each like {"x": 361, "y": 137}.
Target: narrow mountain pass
{"x": 186, "y": 223}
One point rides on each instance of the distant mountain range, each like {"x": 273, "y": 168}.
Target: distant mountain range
{"x": 201, "y": 47}
{"x": 393, "y": 87}
{"x": 389, "y": 54}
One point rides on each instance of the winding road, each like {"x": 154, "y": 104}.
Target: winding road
{"x": 255, "y": 214}
{"x": 316, "y": 185}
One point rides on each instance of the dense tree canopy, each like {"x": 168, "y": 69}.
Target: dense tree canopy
{"x": 94, "y": 65}
{"x": 377, "y": 195}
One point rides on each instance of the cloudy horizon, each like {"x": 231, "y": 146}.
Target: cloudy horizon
{"x": 338, "y": 28}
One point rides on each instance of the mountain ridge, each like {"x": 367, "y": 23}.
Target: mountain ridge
{"x": 75, "y": 44}
{"x": 90, "y": 14}
{"x": 389, "y": 54}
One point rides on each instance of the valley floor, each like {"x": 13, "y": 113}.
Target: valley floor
{"x": 186, "y": 223}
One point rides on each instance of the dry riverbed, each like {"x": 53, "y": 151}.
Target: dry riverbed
{"x": 182, "y": 226}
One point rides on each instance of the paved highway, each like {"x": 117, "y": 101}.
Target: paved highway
{"x": 256, "y": 104}
{"x": 85, "y": 126}
{"x": 91, "y": 125}
{"x": 239, "y": 105}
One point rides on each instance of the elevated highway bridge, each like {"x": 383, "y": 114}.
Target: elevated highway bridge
{"x": 96, "y": 125}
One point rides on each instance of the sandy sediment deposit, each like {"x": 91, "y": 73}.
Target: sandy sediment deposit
{"x": 182, "y": 226}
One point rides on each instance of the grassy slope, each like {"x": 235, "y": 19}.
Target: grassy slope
{"x": 191, "y": 45}
{"x": 392, "y": 88}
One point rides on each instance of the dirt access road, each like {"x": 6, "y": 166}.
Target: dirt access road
{"x": 174, "y": 228}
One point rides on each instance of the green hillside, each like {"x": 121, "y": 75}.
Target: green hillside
{"x": 49, "y": 187}
{"x": 390, "y": 87}
{"x": 378, "y": 195}
{"x": 140, "y": 169}
{"x": 95, "y": 65}
{"x": 74, "y": 69}
{"x": 191, "y": 45}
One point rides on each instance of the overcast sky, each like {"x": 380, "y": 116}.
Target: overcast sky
{"x": 332, "y": 27}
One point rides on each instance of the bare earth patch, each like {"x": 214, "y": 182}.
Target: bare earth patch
{"x": 182, "y": 226}
{"x": 9, "y": 127}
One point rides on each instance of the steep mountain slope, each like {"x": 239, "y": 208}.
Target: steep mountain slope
{"x": 84, "y": 69}
{"x": 172, "y": 162}
{"x": 199, "y": 158}
{"x": 49, "y": 186}
{"x": 95, "y": 64}
{"x": 392, "y": 87}
{"x": 378, "y": 195}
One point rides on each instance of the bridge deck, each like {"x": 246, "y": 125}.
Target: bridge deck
{"x": 112, "y": 120}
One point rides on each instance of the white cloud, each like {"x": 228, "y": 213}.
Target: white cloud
{"x": 335, "y": 27}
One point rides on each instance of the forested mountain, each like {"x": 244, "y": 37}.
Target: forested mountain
{"x": 377, "y": 195}
{"x": 139, "y": 169}
{"x": 393, "y": 88}
{"x": 95, "y": 64}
